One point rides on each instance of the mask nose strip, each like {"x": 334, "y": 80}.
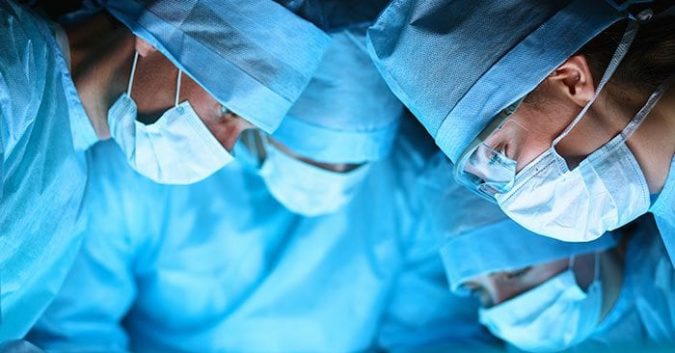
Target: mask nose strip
{"x": 133, "y": 72}
{"x": 178, "y": 79}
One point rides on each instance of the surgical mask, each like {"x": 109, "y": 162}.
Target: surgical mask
{"x": 306, "y": 189}
{"x": 606, "y": 191}
{"x": 550, "y": 317}
{"x": 177, "y": 149}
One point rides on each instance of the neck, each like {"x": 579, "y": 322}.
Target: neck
{"x": 654, "y": 142}
{"x": 101, "y": 53}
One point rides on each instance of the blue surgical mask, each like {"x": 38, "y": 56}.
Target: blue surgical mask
{"x": 550, "y": 317}
{"x": 306, "y": 189}
{"x": 177, "y": 149}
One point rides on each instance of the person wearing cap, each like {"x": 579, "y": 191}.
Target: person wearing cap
{"x": 544, "y": 295}
{"x": 345, "y": 120}
{"x": 560, "y": 112}
{"x": 174, "y": 100}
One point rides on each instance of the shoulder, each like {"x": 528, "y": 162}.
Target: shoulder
{"x": 27, "y": 55}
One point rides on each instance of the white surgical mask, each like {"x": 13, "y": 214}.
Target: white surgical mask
{"x": 550, "y": 317}
{"x": 177, "y": 149}
{"x": 306, "y": 189}
{"x": 605, "y": 191}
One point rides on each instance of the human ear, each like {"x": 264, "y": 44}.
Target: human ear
{"x": 574, "y": 80}
{"x": 144, "y": 48}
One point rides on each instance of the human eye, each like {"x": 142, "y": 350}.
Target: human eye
{"x": 517, "y": 274}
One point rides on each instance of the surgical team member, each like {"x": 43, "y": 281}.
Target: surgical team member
{"x": 545, "y": 295}
{"x": 317, "y": 159}
{"x": 561, "y": 112}
{"x": 59, "y": 90}
{"x": 221, "y": 266}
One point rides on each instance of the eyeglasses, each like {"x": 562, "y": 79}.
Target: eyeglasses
{"x": 486, "y": 169}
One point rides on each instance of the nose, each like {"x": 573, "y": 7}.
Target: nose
{"x": 494, "y": 293}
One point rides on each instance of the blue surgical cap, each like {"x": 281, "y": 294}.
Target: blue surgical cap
{"x": 347, "y": 114}
{"x": 255, "y": 57}
{"x": 478, "y": 238}
{"x": 457, "y": 64}
{"x": 504, "y": 245}
{"x": 336, "y": 15}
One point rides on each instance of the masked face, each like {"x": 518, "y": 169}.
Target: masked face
{"x": 550, "y": 317}
{"x": 176, "y": 149}
{"x": 308, "y": 189}
{"x": 554, "y": 194}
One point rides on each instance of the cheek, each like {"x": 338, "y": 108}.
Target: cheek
{"x": 207, "y": 108}
{"x": 540, "y": 129}
{"x": 204, "y": 105}
{"x": 226, "y": 131}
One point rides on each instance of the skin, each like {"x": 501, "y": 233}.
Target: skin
{"x": 101, "y": 55}
{"x": 557, "y": 100}
{"x": 498, "y": 287}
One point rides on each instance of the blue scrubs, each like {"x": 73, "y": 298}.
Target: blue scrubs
{"x": 43, "y": 171}
{"x": 220, "y": 266}
{"x": 644, "y": 313}
{"x": 664, "y": 213}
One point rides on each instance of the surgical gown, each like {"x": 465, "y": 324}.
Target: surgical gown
{"x": 664, "y": 213}
{"x": 220, "y": 266}
{"x": 644, "y": 313}
{"x": 43, "y": 171}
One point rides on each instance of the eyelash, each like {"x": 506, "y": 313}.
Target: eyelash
{"x": 516, "y": 274}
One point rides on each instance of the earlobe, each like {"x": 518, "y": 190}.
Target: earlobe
{"x": 574, "y": 80}
{"x": 144, "y": 48}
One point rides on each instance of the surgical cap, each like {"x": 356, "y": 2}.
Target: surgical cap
{"x": 457, "y": 64}
{"x": 254, "y": 57}
{"x": 347, "y": 114}
{"x": 504, "y": 245}
{"x": 336, "y": 15}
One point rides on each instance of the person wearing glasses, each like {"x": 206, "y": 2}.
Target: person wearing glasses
{"x": 560, "y": 112}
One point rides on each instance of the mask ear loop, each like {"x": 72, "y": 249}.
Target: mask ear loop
{"x": 619, "y": 54}
{"x": 133, "y": 72}
{"x": 178, "y": 79}
{"x": 654, "y": 98}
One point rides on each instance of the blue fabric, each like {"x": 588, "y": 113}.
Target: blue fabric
{"x": 644, "y": 313}
{"x": 229, "y": 49}
{"x": 220, "y": 266}
{"x": 336, "y": 15}
{"x": 18, "y": 346}
{"x": 457, "y": 64}
{"x": 664, "y": 213}
{"x": 507, "y": 246}
{"x": 43, "y": 171}
{"x": 347, "y": 114}
{"x": 409, "y": 324}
